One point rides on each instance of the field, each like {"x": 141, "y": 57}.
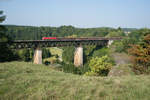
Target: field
{"x": 27, "y": 81}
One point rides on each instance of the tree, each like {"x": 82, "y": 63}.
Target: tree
{"x": 119, "y": 29}
{"x": 116, "y": 34}
{"x": 45, "y": 53}
{"x": 101, "y": 52}
{"x": 3, "y": 36}
{"x": 68, "y": 54}
{"x": 141, "y": 55}
{"x": 2, "y": 18}
{"x": 5, "y": 53}
{"x": 26, "y": 55}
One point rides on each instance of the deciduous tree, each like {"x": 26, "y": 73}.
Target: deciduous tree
{"x": 141, "y": 55}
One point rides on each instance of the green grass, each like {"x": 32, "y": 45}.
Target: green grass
{"x": 26, "y": 81}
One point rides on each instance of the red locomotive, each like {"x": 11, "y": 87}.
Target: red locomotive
{"x": 49, "y": 38}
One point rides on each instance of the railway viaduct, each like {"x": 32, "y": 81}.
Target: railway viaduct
{"x": 59, "y": 42}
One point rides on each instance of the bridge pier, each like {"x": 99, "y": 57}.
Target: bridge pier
{"x": 78, "y": 56}
{"x": 38, "y": 56}
{"x": 110, "y": 42}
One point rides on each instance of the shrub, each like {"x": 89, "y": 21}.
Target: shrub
{"x": 85, "y": 68}
{"x": 119, "y": 46}
{"x": 70, "y": 68}
{"x": 46, "y": 62}
{"x": 25, "y": 54}
{"x": 50, "y": 60}
{"x": 101, "y": 52}
{"x": 99, "y": 66}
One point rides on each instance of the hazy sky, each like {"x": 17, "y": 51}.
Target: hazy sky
{"x": 79, "y": 13}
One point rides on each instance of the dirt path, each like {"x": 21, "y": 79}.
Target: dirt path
{"x": 121, "y": 68}
{"x": 121, "y": 58}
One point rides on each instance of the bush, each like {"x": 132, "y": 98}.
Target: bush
{"x": 46, "y": 62}
{"x": 99, "y": 66}
{"x": 119, "y": 46}
{"x": 25, "y": 54}
{"x": 70, "y": 68}
{"x": 51, "y": 60}
{"x": 85, "y": 68}
{"x": 101, "y": 52}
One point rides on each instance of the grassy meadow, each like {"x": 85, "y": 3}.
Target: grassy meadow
{"x": 27, "y": 81}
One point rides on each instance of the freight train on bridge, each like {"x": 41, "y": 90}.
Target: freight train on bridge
{"x": 61, "y": 41}
{"x": 80, "y": 38}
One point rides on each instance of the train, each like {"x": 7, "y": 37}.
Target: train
{"x": 49, "y": 38}
{"x": 81, "y": 38}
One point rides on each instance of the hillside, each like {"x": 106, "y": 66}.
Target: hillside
{"x": 20, "y": 80}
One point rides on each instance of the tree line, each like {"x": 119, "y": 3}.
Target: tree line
{"x": 137, "y": 44}
{"x": 36, "y": 33}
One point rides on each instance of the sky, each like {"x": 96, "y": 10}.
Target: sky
{"x": 79, "y": 13}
